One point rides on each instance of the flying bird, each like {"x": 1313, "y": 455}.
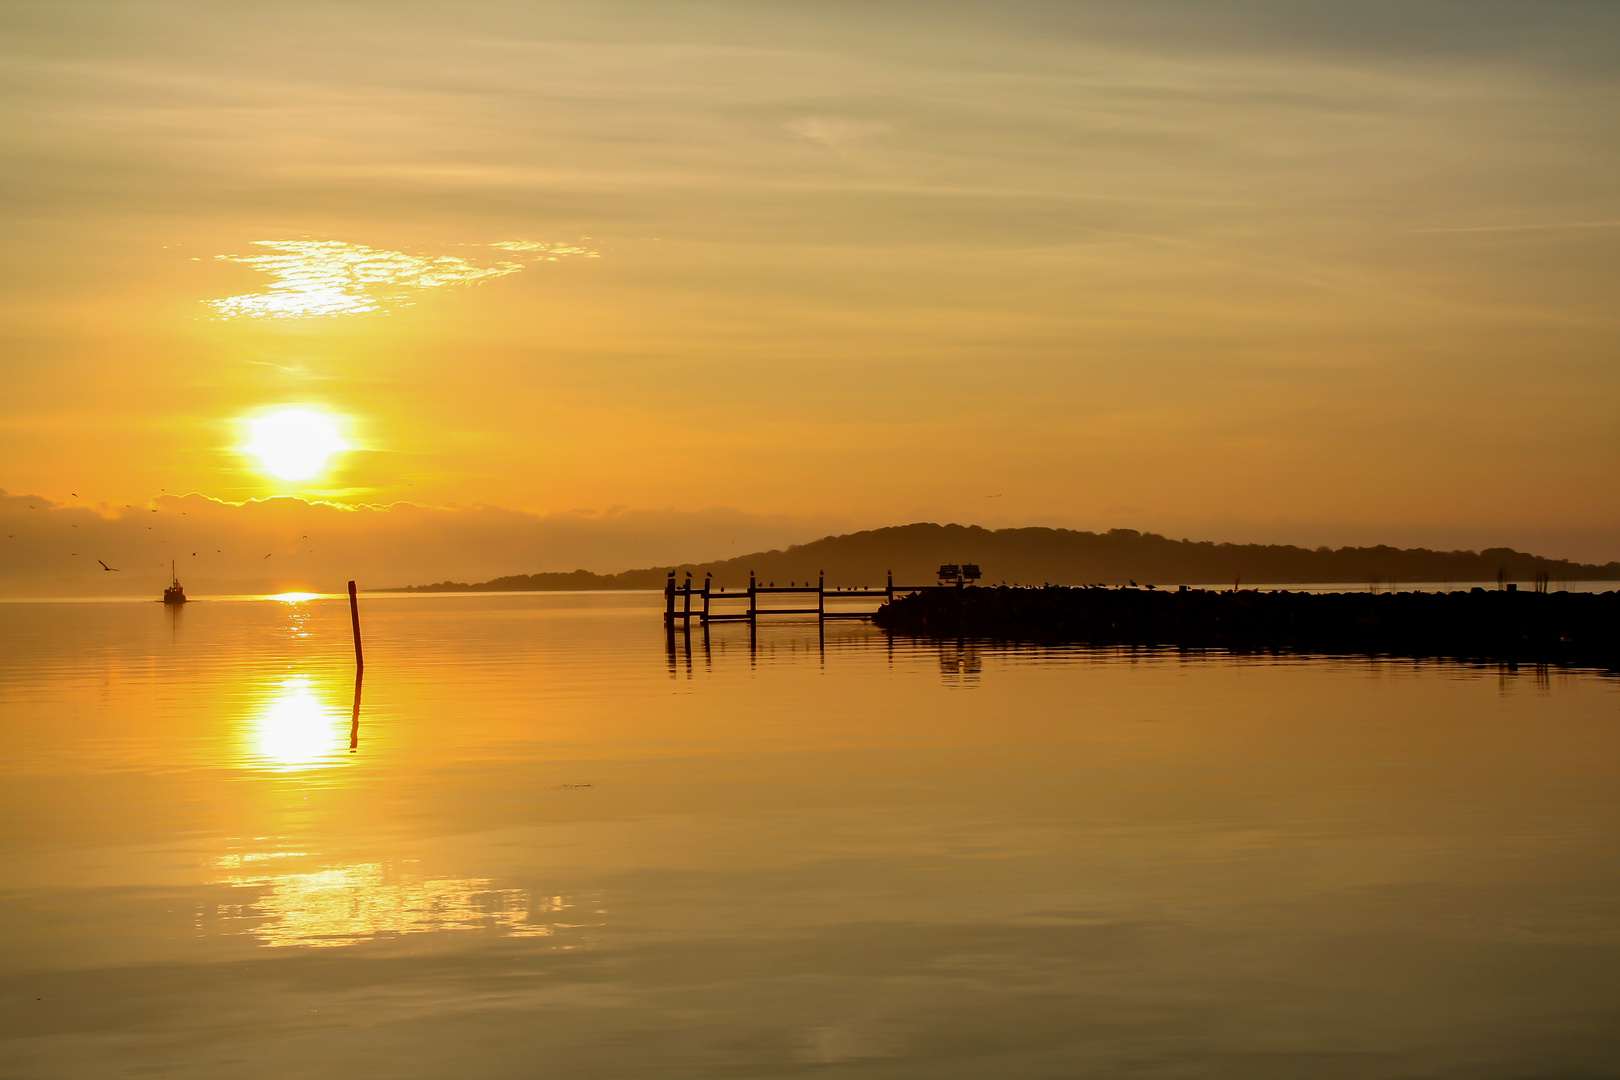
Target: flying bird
{"x": 75, "y": 494}
{"x": 104, "y": 566}
{"x": 272, "y": 553}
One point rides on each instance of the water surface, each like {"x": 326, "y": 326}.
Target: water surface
{"x": 552, "y": 848}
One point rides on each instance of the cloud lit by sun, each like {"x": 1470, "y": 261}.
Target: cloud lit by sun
{"x": 294, "y": 444}
{"x": 314, "y": 279}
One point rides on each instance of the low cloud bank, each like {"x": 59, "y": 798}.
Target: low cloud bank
{"x": 272, "y": 545}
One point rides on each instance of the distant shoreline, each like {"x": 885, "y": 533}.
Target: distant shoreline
{"x": 1035, "y": 556}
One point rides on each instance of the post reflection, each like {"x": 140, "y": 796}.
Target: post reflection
{"x": 354, "y": 721}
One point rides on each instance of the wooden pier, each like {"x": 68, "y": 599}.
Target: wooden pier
{"x": 679, "y": 608}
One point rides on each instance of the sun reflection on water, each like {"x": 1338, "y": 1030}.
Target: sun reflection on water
{"x": 345, "y": 905}
{"x": 295, "y": 729}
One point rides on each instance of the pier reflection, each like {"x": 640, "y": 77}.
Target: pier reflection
{"x": 960, "y": 664}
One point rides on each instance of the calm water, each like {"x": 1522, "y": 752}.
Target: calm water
{"x": 556, "y": 851}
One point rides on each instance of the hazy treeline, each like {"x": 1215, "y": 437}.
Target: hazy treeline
{"x": 1068, "y": 557}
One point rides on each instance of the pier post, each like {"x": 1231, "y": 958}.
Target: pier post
{"x": 686, "y": 612}
{"x": 821, "y": 594}
{"x": 669, "y": 600}
{"x": 708, "y": 580}
{"x": 354, "y": 619}
{"x": 890, "y": 589}
{"x": 753, "y": 604}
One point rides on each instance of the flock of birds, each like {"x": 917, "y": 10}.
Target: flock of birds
{"x": 117, "y": 569}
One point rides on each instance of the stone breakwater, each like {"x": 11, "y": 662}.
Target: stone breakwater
{"x": 1562, "y": 627}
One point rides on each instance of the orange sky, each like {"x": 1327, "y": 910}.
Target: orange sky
{"x": 1231, "y": 270}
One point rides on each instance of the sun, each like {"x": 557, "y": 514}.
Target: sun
{"x": 294, "y": 444}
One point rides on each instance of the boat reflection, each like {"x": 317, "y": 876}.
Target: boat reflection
{"x": 346, "y": 905}
{"x": 296, "y": 729}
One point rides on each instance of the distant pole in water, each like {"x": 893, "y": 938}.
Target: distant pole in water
{"x": 354, "y": 618}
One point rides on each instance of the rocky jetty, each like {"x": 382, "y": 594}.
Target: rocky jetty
{"x": 1580, "y": 629}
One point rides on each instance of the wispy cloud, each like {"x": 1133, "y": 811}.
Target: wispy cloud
{"x": 1555, "y": 226}
{"x": 315, "y": 279}
{"x": 835, "y": 131}
{"x": 544, "y": 252}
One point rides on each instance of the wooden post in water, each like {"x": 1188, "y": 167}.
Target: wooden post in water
{"x": 708, "y": 582}
{"x": 753, "y": 603}
{"x": 354, "y": 618}
{"x": 687, "y": 609}
{"x": 359, "y": 668}
{"x": 669, "y": 600}
{"x": 890, "y": 588}
{"x": 821, "y": 594}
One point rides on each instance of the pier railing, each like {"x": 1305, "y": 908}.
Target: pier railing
{"x": 716, "y": 605}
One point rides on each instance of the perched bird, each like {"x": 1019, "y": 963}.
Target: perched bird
{"x": 104, "y": 566}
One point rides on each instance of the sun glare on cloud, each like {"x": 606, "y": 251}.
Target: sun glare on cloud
{"x": 313, "y": 279}
{"x": 294, "y": 444}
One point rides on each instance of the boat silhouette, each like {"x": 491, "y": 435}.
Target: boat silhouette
{"x": 174, "y": 594}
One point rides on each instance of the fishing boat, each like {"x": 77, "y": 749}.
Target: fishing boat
{"x": 174, "y": 594}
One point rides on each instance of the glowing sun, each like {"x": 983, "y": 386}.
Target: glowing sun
{"x": 294, "y": 444}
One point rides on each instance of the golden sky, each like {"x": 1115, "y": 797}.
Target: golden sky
{"x": 1294, "y": 271}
